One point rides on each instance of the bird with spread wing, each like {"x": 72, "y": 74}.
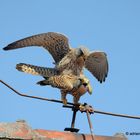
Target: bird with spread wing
{"x": 67, "y": 74}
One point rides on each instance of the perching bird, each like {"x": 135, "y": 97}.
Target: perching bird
{"x": 71, "y": 84}
{"x": 67, "y": 60}
{"x": 77, "y": 93}
{"x": 80, "y": 91}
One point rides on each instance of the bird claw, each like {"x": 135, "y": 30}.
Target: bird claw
{"x": 64, "y": 101}
{"x": 82, "y": 107}
{"x": 85, "y": 108}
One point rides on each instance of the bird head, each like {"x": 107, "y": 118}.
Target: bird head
{"x": 81, "y": 55}
{"x": 86, "y": 83}
{"x": 81, "y": 51}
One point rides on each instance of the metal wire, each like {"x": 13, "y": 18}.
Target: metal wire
{"x": 29, "y": 96}
{"x": 58, "y": 101}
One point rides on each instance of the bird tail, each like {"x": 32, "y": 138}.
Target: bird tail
{"x": 36, "y": 70}
{"x": 43, "y": 83}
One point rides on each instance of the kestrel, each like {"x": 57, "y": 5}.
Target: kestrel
{"x": 69, "y": 62}
{"x": 69, "y": 84}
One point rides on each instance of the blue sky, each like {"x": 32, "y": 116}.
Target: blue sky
{"x": 110, "y": 26}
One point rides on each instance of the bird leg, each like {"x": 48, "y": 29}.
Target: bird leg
{"x": 63, "y": 97}
{"x": 76, "y": 99}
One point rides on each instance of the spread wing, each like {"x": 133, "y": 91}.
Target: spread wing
{"x": 57, "y": 44}
{"x": 97, "y": 64}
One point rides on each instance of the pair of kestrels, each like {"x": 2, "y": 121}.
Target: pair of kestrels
{"x": 67, "y": 75}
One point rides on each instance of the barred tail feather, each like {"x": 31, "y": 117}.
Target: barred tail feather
{"x": 43, "y": 83}
{"x": 36, "y": 70}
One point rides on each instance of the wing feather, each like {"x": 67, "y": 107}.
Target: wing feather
{"x": 97, "y": 64}
{"x": 57, "y": 44}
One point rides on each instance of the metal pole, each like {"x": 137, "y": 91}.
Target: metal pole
{"x": 73, "y": 118}
{"x": 90, "y": 125}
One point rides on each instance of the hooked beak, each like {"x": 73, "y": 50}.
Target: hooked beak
{"x": 89, "y": 89}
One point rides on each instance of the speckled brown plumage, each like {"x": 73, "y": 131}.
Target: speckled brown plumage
{"x": 55, "y": 43}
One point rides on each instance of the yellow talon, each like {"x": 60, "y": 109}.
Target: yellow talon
{"x": 64, "y": 101}
{"x": 81, "y": 107}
